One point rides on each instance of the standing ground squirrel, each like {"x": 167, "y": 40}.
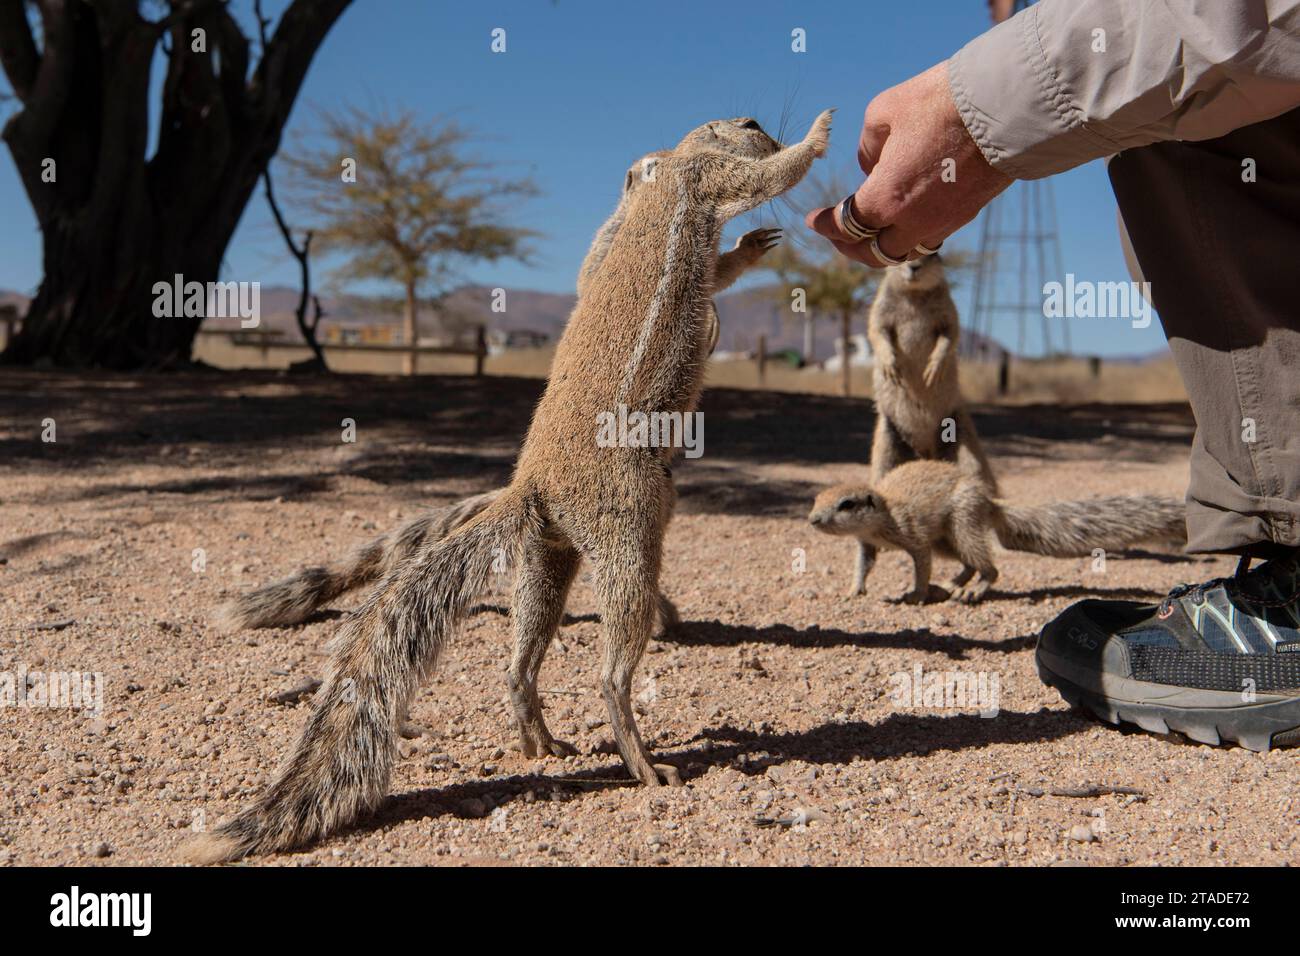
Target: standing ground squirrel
{"x": 638, "y": 338}
{"x": 913, "y": 331}
{"x": 925, "y": 506}
{"x": 296, "y": 598}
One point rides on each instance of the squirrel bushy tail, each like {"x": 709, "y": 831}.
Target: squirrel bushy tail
{"x": 341, "y": 765}
{"x": 294, "y": 599}
{"x": 1068, "y": 529}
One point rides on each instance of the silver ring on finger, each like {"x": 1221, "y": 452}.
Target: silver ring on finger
{"x": 925, "y": 250}
{"x": 849, "y": 224}
{"x": 887, "y": 260}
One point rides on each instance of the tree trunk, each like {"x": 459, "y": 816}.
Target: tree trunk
{"x": 114, "y": 221}
{"x": 410, "y": 329}
{"x": 846, "y": 350}
{"x": 95, "y": 306}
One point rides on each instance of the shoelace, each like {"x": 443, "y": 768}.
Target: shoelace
{"x": 1197, "y": 591}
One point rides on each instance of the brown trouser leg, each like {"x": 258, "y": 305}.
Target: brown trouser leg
{"x": 1221, "y": 256}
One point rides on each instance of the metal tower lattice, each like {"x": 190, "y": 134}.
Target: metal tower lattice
{"x": 1019, "y": 252}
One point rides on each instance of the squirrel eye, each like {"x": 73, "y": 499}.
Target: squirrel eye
{"x": 845, "y": 505}
{"x": 749, "y": 124}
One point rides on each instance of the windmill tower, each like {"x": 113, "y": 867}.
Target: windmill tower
{"x": 1019, "y": 251}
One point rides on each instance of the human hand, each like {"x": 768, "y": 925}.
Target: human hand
{"x": 926, "y": 177}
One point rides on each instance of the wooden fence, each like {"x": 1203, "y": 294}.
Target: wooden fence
{"x": 266, "y": 339}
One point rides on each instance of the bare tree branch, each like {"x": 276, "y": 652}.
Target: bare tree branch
{"x": 303, "y": 255}
{"x": 53, "y": 82}
{"x": 284, "y": 65}
{"x": 18, "y": 54}
{"x": 262, "y": 23}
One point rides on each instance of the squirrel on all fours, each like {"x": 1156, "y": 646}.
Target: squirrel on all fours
{"x": 922, "y": 507}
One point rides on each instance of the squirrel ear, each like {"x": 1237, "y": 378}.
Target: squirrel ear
{"x": 627, "y": 183}
{"x": 869, "y": 501}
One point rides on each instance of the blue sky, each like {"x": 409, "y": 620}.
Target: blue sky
{"x": 587, "y": 86}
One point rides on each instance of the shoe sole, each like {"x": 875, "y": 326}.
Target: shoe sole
{"x": 1206, "y": 716}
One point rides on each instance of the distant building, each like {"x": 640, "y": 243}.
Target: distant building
{"x": 361, "y": 334}
{"x": 501, "y": 339}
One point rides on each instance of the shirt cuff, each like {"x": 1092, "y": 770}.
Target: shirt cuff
{"x": 1015, "y": 106}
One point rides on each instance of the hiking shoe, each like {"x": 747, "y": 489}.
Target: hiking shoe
{"x": 1217, "y": 661}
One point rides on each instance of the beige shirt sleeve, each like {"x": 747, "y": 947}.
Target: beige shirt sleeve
{"x": 1067, "y": 81}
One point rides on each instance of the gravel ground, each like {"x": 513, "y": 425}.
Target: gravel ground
{"x": 779, "y": 698}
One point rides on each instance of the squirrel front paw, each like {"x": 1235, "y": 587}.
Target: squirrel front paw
{"x": 758, "y": 241}
{"x": 931, "y": 374}
{"x": 819, "y": 134}
{"x": 970, "y": 593}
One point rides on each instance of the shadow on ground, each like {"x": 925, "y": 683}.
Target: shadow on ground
{"x": 750, "y": 752}
{"x": 956, "y": 647}
{"x": 425, "y": 429}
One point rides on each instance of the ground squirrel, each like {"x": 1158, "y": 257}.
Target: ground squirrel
{"x": 296, "y": 598}
{"x": 638, "y": 338}
{"x": 925, "y": 506}
{"x": 913, "y": 331}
